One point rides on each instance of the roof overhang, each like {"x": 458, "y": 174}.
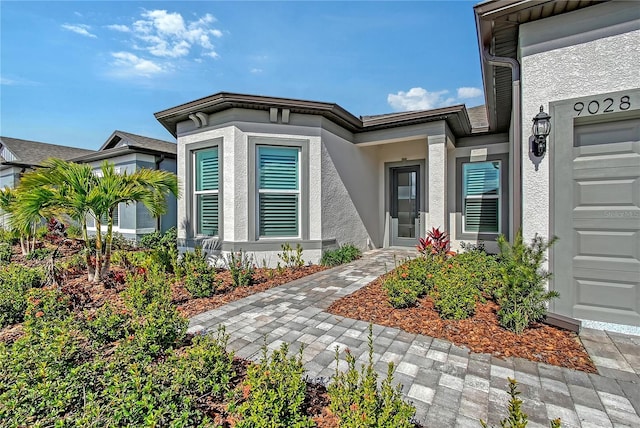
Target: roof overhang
{"x": 121, "y": 151}
{"x": 456, "y": 116}
{"x": 497, "y": 24}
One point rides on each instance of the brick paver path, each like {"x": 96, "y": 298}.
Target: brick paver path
{"x": 450, "y": 386}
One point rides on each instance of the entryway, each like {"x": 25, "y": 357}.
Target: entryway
{"x": 405, "y": 205}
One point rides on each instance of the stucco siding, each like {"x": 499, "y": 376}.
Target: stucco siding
{"x": 598, "y": 51}
{"x": 348, "y": 189}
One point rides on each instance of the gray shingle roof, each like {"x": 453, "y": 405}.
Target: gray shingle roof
{"x": 34, "y": 153}
{"x": 121, "y": 138}
{"x": 478, "y": 117}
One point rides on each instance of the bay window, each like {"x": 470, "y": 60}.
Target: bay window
{"x": 207, "y": 178}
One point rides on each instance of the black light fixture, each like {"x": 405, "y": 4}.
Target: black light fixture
{"x": 541, "y": 128}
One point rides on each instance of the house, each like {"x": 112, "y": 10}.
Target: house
{"x": 129, "y": 152}
{"x": 126, "y": 151}
{"x": 260, "y": 171}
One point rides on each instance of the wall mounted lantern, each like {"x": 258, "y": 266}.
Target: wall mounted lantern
{"x": 541, "y": 128}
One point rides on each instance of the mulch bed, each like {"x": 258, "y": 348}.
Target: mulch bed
{"x": 480, "y": 333}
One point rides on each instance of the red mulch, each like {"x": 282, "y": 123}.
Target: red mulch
{"x": 480, "y": 333}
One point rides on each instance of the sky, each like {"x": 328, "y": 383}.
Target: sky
{"x": 72, "y": 72}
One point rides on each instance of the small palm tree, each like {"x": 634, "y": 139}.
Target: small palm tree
{"x": 76, "y": 190}
{"x": 25, "y": 213}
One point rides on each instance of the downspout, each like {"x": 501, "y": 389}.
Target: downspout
{"x": 158, "y": 162}
{"x": 516, "y": 185}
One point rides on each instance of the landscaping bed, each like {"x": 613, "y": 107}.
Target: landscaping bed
{"x": 480, "y": 333}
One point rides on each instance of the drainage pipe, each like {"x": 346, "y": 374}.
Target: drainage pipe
{"x": 516, "y": 167}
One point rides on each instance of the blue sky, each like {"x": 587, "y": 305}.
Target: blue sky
{"x": 72, "y": 72}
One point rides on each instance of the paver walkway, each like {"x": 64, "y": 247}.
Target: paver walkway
{"x": 450, "y": 386}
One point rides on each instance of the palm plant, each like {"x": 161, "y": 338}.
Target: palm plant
{"x": 76, "y": 190}
{"x": 26, "y": 219}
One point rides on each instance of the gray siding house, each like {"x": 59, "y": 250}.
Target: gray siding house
{"x": 129, "y": 152}
{"x": 258, "y": 171}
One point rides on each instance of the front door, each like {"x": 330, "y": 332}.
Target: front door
{"x": 405, "y": 205}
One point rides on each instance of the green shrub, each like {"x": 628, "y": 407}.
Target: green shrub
{"x": 290, "y": 257}
{"x": 276, "y": 391}
{"x": 517, "y": 418}
{"x": 522, "y": 297}
{"x": 199, "y": 276}
{"x": 423, "y": 270}
{"x": 164, "y": 246}
{"x": 9, "y": 236}
{"x": 401, "y": 292}
{"x": 39, "y": 254}
{"x": 143, "y": 289}
{"x": 5, "y": 253}
{"x": 481, "y": 269}
{"x": 454, "y": 295}
{"x": 107, "y": 325}
{"x": 15, "y": 281}
{"x": 46, "y": 306}
{"x": 344, "y": 254}
{"x": 241, "y": 266}
{"x": 74, "y": 231}
{"x": 358, "y": 401}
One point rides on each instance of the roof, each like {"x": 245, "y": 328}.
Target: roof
{"x": 497, "y": 23}
{"x": 121, "y": 138}
{"x": 456, "y": 116}
{"x": 33, "y": 153}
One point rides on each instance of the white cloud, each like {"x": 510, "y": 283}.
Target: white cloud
{"x": 421, "y": 99}
{"x": 418, "y": 99}
{"x": 166, "y": 34}
{"x": 81, "y": 29}
{"x": 17, "y": 82}
{"x": 466, "y": 92}
{"x": 119, "y": 27}
{"x": 127, "y": 64}
{"x": 256, "y": 70}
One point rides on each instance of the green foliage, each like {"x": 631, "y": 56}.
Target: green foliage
{"x": 15, "y": 281}
{"x": 358, "y": 401}
{"x": 435, "y": 244}
{"x": 455, "y": 293}
{"x": 517, "y": 418}
{"x": 76, "y": 262}
{"x": 39, "y": 254}
{"x": 107, "y": 325}
{"x": 74, "y": 231}
{"x": 344, "y": 254}
{"x": 145, "y": 288}
{"x": 164, "y": 246}
{"x": 290, "y": 257}
{"x": 522, "y": 296}
{"x": 276, "y": 391}
{"x": 241, "y": 266}
{"x": 423, "y": 270}
{"x": 5, "y": 253}
{"x": 9, "y": 236}
{"x": 482, "y": 269}
{"x": 401, "y": 292}
{"x": 46, "y": 306}
{"x": 199, "y": 276}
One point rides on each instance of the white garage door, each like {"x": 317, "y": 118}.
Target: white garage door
{"x": 600, "y": 278}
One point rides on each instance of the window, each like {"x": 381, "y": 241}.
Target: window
{"x": 207, "y": 177}
{"x": 481, "y": 197}
{"x": 278, "y": 182}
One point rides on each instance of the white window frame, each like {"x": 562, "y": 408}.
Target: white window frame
{"x": 498, "y": 196}
{"x": 259, "y": 191}
{"x": 196, "y": 193}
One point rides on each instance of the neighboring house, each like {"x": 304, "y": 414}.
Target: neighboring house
{"x": 18, "y": 156}
{"x": 261, "y": 171}
{"x": 129, "y": 152}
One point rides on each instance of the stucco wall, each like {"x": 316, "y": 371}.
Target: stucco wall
{"x": 349, "y": 189}
{"x": 587, "y": 52}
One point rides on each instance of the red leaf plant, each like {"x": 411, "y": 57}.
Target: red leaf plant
{"x": 436, "y": 243}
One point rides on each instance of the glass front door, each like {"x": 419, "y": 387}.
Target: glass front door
{"x": 405, "y": 204}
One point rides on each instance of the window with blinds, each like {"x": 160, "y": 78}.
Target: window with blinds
{"x": 482, "y": 194}
{"x": 207, "y": 177}
{"x": 278, "y": 181}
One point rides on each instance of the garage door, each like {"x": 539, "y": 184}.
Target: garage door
{"x": 599, "y": 278}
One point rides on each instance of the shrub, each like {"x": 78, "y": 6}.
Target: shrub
{"x": 39, "y": 254}
{"x": 402, "y": 293}
{"x": 435, "y": 244}
{"x": 423, "y": 270}
{"x": 107, "y": 324}
{"x": 241, "y": 266}
{"x": 358, "y": 401}
{"x": 481, "y": 269}
{"x": 76, "y": 263}
{"x": 522, "y": 297}
{"x": 74, "y": 231}
{"x": 200, "y": 277}
{"x": 344, "y": 254}
{"x": 454, "y": 295}
{"x": 274, "y": 390}
{"x": 290, "y": 257}
{"x": 164, "y": 246}
{"x": 5, "y": 253}
{"x": 9, "y": 236}
{"x": 15, "y": 281}
{"x": 46, "y": 306}
{"x": 517, "y": 418}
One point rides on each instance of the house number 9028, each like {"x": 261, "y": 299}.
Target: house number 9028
{"x": 607, "y": 105}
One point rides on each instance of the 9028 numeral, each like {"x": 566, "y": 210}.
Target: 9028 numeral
{"x": 593, "y": 106}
